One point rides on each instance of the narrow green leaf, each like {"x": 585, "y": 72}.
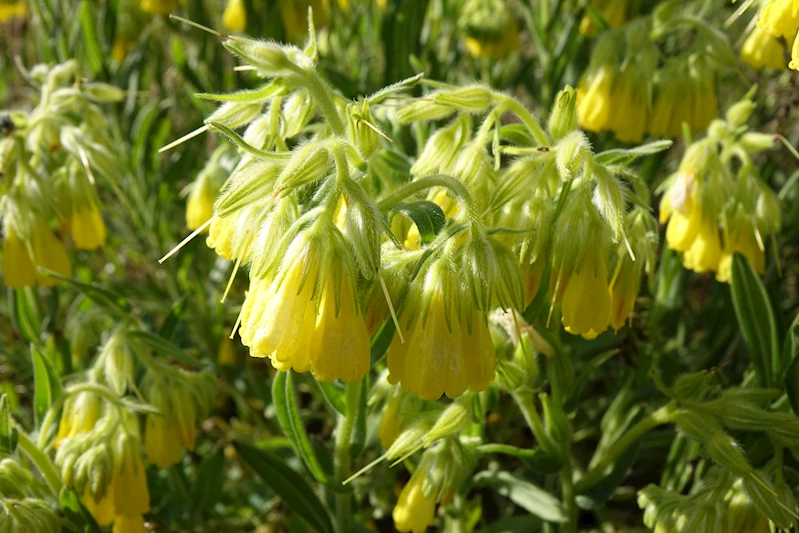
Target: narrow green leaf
{"x": 625, "y": 156}
{"x": 596, "y": 495}
{"x": 173, "y": 318}
{"x": 428, "y": 217}
{"x": 297, "y": 428}
{"x": 535, "y": 458}
{"x": 288, "y": 484}
{"x": 103, "y": 297}
{"x": 792, "y": 384}
{"x": 269, "y": 90}
{"x": 6, "y": 444}
{"x": 756, "y": 318}
{"x": 586, "y": 372}
{"x": 25, "y": 313}
{"x": 165, "y": 347}
{"x": 46, "y": 385}
{"x": 210, "y": 479}
{"x": 532, "y": 498}
{"x": 75, "y": 512}
{"x": 334, "y": 396}
{"x": 94, "y": 55}
{"x": 358, "y": 437}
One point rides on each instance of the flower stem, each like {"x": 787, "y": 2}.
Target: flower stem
{"x": 527, "y": 406}
{"x": 513, "y": 105}
{"x": 342, "y": 456}
{"x": 436, "y": 180}
{"x": 40, "y": 459}
{"x": 661, "y": 416}
{"x": 568, "y": 496}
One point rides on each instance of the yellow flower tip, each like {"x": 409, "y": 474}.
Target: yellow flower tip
{"x": 741, "y": 239}
{"x": 129, "y": 524}
{"x": 704, "y": 254}
{"x": 200, "y": 208}
{"x": 389, "y": 428}
{"x": 794, "y": 64}
{"x": 162, "y": 442}
{"x": 130, "y": 492}
{"x": 779, "y": 18}
{"x": 683, "y": 230}
{"x": 235, "y": 16}
{"x": 88, "y": 228}
{"x": 531, "y": 277}
{"x": 629, "y": 102}
{"x": 13, "y": 11}
{"x": 18, "y": 269}
{"x": 623, "y": 293}
{"x": 49, "y": 253}
{"x": 586, "y": 301}
{"x": 594, "y": 101}
{"x": 414, "y": 511}
{"x": 101, "y": 509}
{"x": 761, "y": 49}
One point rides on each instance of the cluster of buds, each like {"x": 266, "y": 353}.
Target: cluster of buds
{"x": 776, "y": 22}
{"x": 20, "y": 509}
{"x": 489, "y": 29}
{"x": 714, "y": 210}
{"x": 49, "y": 163}
{"x": 99, "y": 440}
{"x": 629, "y": 89}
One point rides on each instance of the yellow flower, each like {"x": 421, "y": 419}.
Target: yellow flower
{"x": 531, "y": 276}
{"x": 586, "y": 300}
{"x": 200, "y": 205}
{"x": 129, "y": 524}
{"x": 390, "y": 428}
{"x": 130, "y": 493}
{"x": 158, "y": 7}
{"x": 761, "y": 49}
{"x": 442, "y": 355}
{"x": 779, "y": 18}
{"x": 613, "y": 11}
{"x": 18, "y": 269}
{"x": 594, "y": 100}
{"x": 231, "y": 236}
{"x": 305, "y": 321}
{"x": 235, "y": 16}
{"x": 102, "y": 509}
{"x": 507, "y": 43}
{"x": 13, "y": 11}
{"x": 226, "y": 356}
{"x": 705, "y": 252}
{"x": 87, "y": 226}
{"x": 794, "y": 64}
{"x": 624, "y": 290}
{"x": 741, "y": 239}
{"x": 414, "y": 511}
{"x": 81, "y": 412}
{"x": 629, "y": 104}
{"x": 162, "y": 440}
{"x": 678, "y": 206}
{"x": 121, "y": 48}
{"x": 49, "y": 253}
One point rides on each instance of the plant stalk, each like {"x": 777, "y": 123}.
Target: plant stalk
{"x": 343, "y": 462}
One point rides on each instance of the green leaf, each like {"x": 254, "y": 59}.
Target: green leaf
{"x": 756, "y": 318}
{"x": 626, "y": 156}
{"x": 532, "y": 498}
{"x": 586, "y": 372}
{"x": 288, "y": 484}
{"x": 381, "y": 340}
{"x": 535, "y": 458}
{"x": 428, "y": 217}
{"x": 285, "y": 402}
{"x": 210, "y": 479}
{"x": 358, "y": 437}
{"x": 597, "y": 494}
{"x": 269, "y": 90}
{"x": 46, "y": 385}
{"x": 244, "y": 145}
{"x": 8, "y": 436}
{"x": 792, "y": 384}
{"x": 75, "y": 512}
{"x": 94, "y": 55}
{"x": 161, "y": 345}
{"x": 171, "y": 321}
{"x": 334, "y": 396}
{"x": 103, "y": 297}
{"x": 25, "y": 313}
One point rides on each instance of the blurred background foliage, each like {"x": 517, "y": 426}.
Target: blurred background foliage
{"x": 685, "y": 322}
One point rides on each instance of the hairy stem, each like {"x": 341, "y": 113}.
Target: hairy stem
{"x": 342, "y": 456}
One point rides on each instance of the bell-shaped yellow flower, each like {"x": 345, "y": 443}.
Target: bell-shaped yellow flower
{"x": 794, "y": 64}
{"x": 80, "y": 414}
{"x": 761, "y": 49}
{"x": 779, "y": 18}
{"x": 18, "y": 269}
{"x": 507, "y": 42}
{"x": 102, "y": 509}
{"x": 158, "y": 7}
{"x": 705, "y": 252}
{"x": 624, "y": 290}
{"x": 235, "y": 16}
{"x": 49, "y": 253}
{"x": 594, "y": 100}
{"x": 307, "y": 318}
{"x": 390, "y": 427}
{"x": 741, "y": 239}
{"x": 12, "y": 11}
{"x": 87, "y": 226}
{"x": 130, "y": 492}
{"x": 586, "y": 300}
{"x": 414, "y": 511}
{"x": 162, "y": 440}
{"x": 200, "y": 204}
{"x": 531, "y": 276}
{"x": 629, "y": 102}
{"x": 129, "y": 524}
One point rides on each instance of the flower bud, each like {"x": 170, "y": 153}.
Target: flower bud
{"x": 408, "y": 440}
{"x": 422, "y": 110}
{"x": 102, "y": 92}
{"x": 298, "y": 109}
{"x": 439, "y": 151}
{"x": 753, "y": 141}
{"x": 738, "y": 114}
{"x": 27, "y": 515}
{"x": 696, "y": 426}
{"x": 471, "y": 99}
{"x": 768, "y": 212}
{"x": 235, "y": 114}
{"x": 690, "y": 386}
{"x": 770, "y": 503}
{"x": 363, "y": 226}
{"x": 117, "y": 363}
{"x": 570, "y": 154}
{"x": 563, "y": 119}
{"x": 744, "y": 514}
{"x": 268, "y": 57}
{"x": 511, "y": 376}
{"x": 361, "y": 128}
{"x": 723, "y": 449}
{"x": 452, "y": 420}
{"x": 718, "y": 130}
{"x": 308, "y": 163}
{"x": 13, "y": 479}
{"x": 610, "y": 198}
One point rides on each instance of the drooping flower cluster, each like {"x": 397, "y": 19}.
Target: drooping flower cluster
{"x": 630, "y": 90}
{"x": 51, "y": 165}
{"x": 714, "y": 210}
{"x": 777, "y": 20}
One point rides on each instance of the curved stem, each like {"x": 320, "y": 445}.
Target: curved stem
{"x": 436, "y": 180}
{"x": 527, "y": 118}
{"x": 321, "y": 94}
{"x": 343, "y": 461}
{"x": 40, "y": 459}
{"x": 661, "y": 416}
{"x": 526, "y": 404}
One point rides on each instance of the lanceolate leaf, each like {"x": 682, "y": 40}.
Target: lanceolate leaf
{"x": 47, "y": 385}
{"x": 532, "y": 498}
{"x": 285, "y": 402}
{"x": 288, "y": 484}
{"x": 7, "y": 434}
{"x": 108, "y": 299}
{"x": 334, "y": 396}
{"x": 428, "y": 217}
{"x": 756, "y": 318}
